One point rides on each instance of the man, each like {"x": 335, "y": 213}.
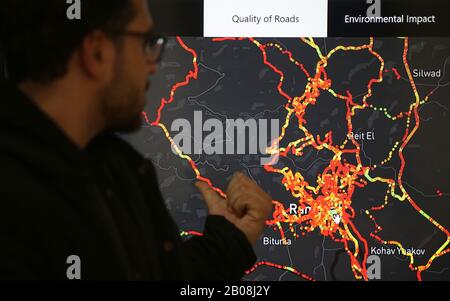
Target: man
{"x": 69, "y": 186}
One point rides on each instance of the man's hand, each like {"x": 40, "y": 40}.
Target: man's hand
{"x": 247, "y": 206}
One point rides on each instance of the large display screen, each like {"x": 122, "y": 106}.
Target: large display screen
{"x": 347, "y": 134}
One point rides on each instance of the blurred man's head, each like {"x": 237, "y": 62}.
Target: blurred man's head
{"x": 108, "y": 54}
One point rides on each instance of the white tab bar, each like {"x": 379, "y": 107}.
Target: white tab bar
{"x": 265, "y": 18}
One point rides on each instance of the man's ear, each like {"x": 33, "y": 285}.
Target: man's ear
{"x": 97, "y": 55}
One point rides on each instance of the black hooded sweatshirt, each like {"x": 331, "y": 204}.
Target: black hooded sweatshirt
{"x": 101, "y": 204}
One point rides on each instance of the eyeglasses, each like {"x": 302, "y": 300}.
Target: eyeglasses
{"x": 153, "y": 44}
